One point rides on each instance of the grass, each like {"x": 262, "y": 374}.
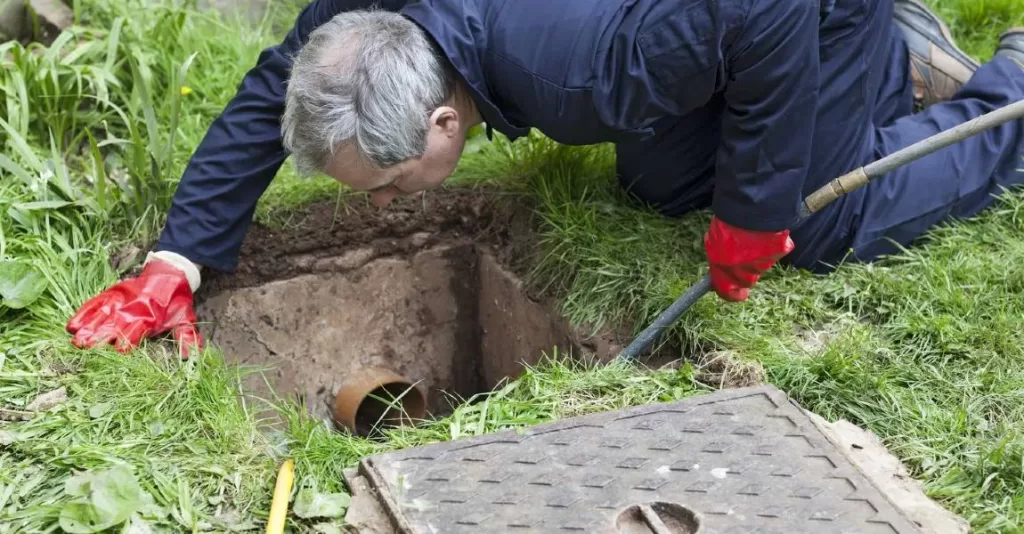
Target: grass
{"x": 924, "y": 349}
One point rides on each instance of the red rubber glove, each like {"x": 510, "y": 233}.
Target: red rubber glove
{"x": 739, "y": 257}
{"x": 157, "y": 301}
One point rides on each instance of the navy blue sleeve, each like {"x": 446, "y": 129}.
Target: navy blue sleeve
{"x": 768, "y": 123}
{"x": 242, "y": 151}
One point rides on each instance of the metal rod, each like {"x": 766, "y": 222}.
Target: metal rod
{"x": 941, "y": 140}
{"x": 667, "y": 317}
{"x": 826, "y": 195}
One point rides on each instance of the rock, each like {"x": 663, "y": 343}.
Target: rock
{"x": 16, "y": 20}
{"x": 352, "y": 259}
{"x": 48, "y": 400}
{"x": 365, "y": 515}
{"x": 13, "y": 20}
{"x": 419, "y": 239}
{"x": 54, "y": 18}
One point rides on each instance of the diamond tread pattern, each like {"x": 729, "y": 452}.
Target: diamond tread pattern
{"x": 744, "y": 461}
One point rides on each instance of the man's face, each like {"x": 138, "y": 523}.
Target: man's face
{"x": 445, "y": 142}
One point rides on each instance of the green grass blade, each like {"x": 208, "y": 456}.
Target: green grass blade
{"x": 141, "y": 84}
{"x": 113, "y": 42}
{"x": 18, "y": 108}
{"x": 52, "y": 51}
{"x": 17, "y": 170}
{"x": 63, "y": 181}
{"x": 175, "y": 96}
{"x": 99, "y": 172}
{"x": 21, "y": 147}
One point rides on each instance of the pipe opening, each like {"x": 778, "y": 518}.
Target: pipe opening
{"x": 377, "y": 400}
{"x": 390, "y": 405}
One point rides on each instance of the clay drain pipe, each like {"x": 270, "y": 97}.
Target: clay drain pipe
{"x": 377, "y": 397}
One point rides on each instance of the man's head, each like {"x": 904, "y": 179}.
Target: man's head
{"x": 371, "y": 103}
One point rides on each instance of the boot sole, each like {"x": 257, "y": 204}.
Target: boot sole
{"x": 1012, "y": 31}
{"x": 1018, "y": 31}
{"x": 944, "y": 30}
{"x": 1013, "y": 51}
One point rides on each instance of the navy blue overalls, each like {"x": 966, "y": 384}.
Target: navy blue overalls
{"x": 741, "y": 106}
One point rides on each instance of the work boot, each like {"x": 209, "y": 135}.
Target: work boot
{"x": 938, "y": 68}
{"x": 1011, "y": 45}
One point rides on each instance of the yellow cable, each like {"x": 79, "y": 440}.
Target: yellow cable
{"x": 282, "y": 490}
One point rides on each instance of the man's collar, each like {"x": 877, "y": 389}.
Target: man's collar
{"x": 456, "y": 27}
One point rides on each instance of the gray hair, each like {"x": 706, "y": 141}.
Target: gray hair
{"x": 367, "y": 76}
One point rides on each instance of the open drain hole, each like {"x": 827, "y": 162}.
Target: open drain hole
{"x": 427, "y": 296}
{"x": 448, "y": 320}
{"x": 657, "y": 518}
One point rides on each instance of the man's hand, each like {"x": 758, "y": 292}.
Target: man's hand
{"x": 739, "y": 257}
{"x": 159, "y": 300}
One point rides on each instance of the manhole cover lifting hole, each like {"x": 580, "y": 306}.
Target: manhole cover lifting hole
{"x": 657, "y": 518}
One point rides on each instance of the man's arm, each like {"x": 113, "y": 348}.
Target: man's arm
{"x": 242, "y": 151}
{"x": 769, "y": 118}
{"x": 772, "y": 70}
{"x": 767, "y": 133}
{"x": 212, "y": 208}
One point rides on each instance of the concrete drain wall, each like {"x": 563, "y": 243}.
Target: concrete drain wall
{"x": 448, "y": 317}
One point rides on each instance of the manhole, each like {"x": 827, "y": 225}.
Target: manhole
{"x": 422, "y": 293}
{"x": 736, "y": 461}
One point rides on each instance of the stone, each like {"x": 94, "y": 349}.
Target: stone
{"x": 54, "y": 17}
{"x": 13, "y": 20}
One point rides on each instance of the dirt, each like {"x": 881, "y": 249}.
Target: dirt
{"x": 727, "y": 370}
{"x": 429, "y": 288}
{"x": 320, "y": 234}
{"x": 720, "y": 369}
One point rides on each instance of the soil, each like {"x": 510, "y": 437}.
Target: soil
{"x": 727, "y": 370}
{"x": 429, "y": 288}
{"x": 326, "y": 230}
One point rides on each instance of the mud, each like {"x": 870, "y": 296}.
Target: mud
{"x": 430, "y": 288}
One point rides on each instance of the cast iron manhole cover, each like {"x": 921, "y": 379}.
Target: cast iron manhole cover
{"x": 743, "y": 460}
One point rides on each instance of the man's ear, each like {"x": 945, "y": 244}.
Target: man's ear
{"x": 447, "y": 119}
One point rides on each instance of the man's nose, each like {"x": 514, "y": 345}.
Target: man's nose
{"x": 382, "y": 198}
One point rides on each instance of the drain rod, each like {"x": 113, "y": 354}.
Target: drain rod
{"x": 824, "y": 196}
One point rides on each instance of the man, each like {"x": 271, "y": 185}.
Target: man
{"x": 740, "y": 106}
